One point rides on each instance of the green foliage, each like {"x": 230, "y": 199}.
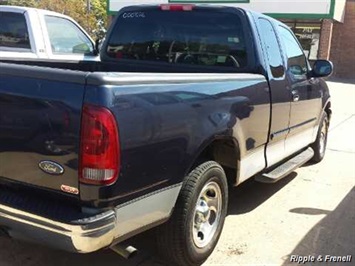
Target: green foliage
{"x": 93, "y": 19}
{"x": 28, "y": 3}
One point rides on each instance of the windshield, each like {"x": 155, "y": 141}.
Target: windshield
{"x": 198, "y": 37}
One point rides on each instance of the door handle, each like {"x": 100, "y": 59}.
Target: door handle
{"x": 313, "y": 81}
{"x": 295, "y": 96}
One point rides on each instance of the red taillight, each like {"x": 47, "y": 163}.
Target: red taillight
{"x": 99, "y": 147}
{"x": 172, "y": 7}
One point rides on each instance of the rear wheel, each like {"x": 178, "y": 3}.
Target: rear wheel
{"x": 320, "y": 145}
{"x": 192, "y": 232}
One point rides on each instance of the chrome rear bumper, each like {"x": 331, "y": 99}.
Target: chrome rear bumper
{"x": 87, "y": 234}
{"x": 82, "y": 236}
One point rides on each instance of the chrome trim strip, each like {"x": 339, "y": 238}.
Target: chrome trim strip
{"x": 287, "y": 130}
{"x": 303, "y": 123}
{"x": 279, "y": 133}
{"x": 149, "y": 195}
{"x": 121, "y": 78}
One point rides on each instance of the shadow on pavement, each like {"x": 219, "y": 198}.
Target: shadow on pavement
{"x": 309, "y": 211}
{"x": 251, "y": 194}
{"x": 334, "y": 235}
{"x": 20, "y": 254}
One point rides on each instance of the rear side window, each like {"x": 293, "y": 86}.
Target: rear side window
{"x": 13, "y": 31}
{"x": 197, "y": 37}
{"x": 66, "y": 38}
{"x": 272, "y": 48}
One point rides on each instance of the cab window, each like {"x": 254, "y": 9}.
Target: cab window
{"x": 13, "y": 31}
{"x": 199, "y": 38}
{"x": 66, "y": 38}
{"x": 296, "y": 60}
{"x": 272, "y": 48}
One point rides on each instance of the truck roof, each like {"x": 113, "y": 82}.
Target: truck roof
{"x": 203, "y": 5}
{"x": 25, "y": 9}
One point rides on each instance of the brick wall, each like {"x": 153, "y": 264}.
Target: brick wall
{"x": 342, "y": 52}
{"x": 325, "y": 39}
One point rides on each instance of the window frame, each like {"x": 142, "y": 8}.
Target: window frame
{"x": 30, "y": 38}
{"x": 76, "y": 26}
{"x": 285, "y": 27}
{"x": 280, "y": 48}
{"x": 297, "y": 24}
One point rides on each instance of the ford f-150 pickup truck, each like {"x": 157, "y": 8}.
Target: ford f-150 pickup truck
{"x": 28, "y": 33}
{"x": 186, "y": 101}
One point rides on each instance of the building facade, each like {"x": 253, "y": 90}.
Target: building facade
{"x": 325, "y": 28}
{"x": 342, "y": 46}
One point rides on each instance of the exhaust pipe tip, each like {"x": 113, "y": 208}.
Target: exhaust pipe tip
{"x": 125, "y": 251}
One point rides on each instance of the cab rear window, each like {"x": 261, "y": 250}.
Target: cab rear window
{"x": 13, "y": 31}
{"x": 198, "y": 37}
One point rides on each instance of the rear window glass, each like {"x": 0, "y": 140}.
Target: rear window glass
{"x": 197, "y": 37}
{"x": 13, "y": 30}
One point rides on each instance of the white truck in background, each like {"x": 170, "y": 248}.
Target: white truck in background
{"x": 29, "y": 33}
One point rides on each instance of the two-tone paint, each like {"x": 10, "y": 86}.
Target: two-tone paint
{"x": 167, "y": 122}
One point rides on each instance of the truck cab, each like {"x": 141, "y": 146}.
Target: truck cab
{"x": 29, "y": 33}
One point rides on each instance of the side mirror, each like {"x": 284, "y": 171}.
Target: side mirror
{"x": 82, "y": 48}
{"x": 322, "y": 68}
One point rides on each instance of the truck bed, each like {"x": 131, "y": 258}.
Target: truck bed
{"x": 150, "y": 116}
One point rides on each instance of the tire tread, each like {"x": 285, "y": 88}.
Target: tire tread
{"x": 170, "y": 238}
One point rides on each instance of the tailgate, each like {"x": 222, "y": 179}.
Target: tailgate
{"x": 40, "y": 110}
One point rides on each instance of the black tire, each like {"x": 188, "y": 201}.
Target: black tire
{"x": 320, "y": 145}
{"x": 177, "y": 240}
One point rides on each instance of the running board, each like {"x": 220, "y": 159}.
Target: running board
{"x": 286, "y": 168}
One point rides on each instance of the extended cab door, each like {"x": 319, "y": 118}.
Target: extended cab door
{"x": 305, "y": 94}
{"x": 280, "y": 94}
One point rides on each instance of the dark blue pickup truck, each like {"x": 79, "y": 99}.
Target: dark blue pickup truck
{"x": 186, "y": 101}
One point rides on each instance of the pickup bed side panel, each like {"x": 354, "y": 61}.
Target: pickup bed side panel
{"x": 165, "y": 119}
{"x": 40, "y": 110}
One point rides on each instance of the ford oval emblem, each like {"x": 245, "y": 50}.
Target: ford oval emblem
{"x": 51, "y": 168}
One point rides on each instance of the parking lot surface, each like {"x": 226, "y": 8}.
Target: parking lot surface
{"x": 309, "y": 213}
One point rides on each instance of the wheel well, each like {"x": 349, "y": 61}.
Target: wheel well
{"x": 226, "y": 153}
